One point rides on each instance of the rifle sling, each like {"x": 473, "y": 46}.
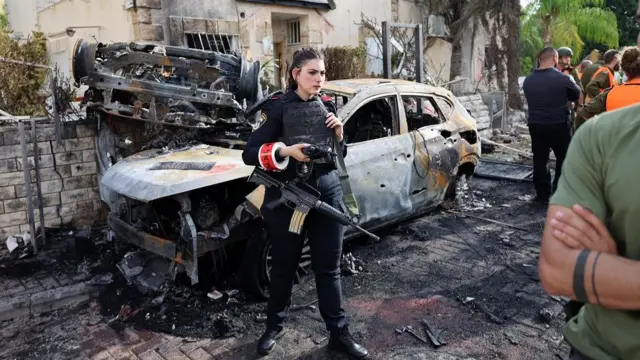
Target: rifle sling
{"x": 349, "y": 199}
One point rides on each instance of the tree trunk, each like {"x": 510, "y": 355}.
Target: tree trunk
{"x": 546, "y": 32}
{"x": 512, "y": 43}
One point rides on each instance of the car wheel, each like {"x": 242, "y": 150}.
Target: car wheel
{"x": 450, "y": 194}
{"x": 466, "y": 170}
{"x": 255, "y": 274}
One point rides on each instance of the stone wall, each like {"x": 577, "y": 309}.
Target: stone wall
{"x": 69, "y": 181}
{"x": 480, "y": 111}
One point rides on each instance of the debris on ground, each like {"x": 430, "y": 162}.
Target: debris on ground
{"x": 349, "y": 265}
{"x": 147, "y": 271}
{"x": 511, "y": 337}
{"x": 215, "y": 295}
{"x": 20, "y": 245}
{"x": 469, "y": 200}
{"x": 547, "y": 315}
{"x": 308, "y": 306}
{"x": 498, "y": 307}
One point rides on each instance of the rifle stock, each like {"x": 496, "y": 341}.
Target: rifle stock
{"x": 304, "y": 201}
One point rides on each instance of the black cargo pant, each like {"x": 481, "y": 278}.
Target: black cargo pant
{"x": 325, "y": 239}
{"x": 547, "y": 137}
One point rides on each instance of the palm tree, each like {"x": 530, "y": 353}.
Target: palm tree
{"x": 568, "y": 23}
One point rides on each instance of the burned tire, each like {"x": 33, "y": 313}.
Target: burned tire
{"x": 466, "y": 170}
{"x": 256, "y": 265}
{"x": 450, "y": 194}
{"x": 254, "y": 277}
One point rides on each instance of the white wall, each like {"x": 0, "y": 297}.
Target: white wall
{"x": 22, "y": 16}
{"x": 339, "y": 25}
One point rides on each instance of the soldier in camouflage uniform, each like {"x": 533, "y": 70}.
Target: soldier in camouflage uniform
{"x": 619, "y": 96}
{"x": 604, "y": 77}
{"x": 565, "y": 55}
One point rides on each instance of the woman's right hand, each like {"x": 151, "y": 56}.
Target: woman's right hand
{"x": 295, "y": 151}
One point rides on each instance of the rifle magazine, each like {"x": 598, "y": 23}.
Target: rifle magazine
{"x": 297, "y": 222}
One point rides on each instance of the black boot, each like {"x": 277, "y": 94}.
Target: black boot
{"x": 342, "y": 341}
{"x": 268, "y": 340}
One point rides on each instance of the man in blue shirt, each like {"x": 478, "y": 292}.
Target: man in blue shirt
{"x": 548, "y": 92}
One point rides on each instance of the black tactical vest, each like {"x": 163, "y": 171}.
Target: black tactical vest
{"x": 304, "y": 122}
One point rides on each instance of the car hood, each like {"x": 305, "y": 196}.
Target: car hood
{"x": 134, "y": 178}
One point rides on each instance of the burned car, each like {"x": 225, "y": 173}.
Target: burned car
{"x": 408, "y": 144}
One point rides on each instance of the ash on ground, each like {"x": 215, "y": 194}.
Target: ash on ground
{"x": 142, "y": 294}
{"x": 78, "y": 255}
{"x": 468, "y": 199}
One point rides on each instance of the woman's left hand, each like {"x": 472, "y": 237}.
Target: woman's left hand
{"x": 335, "y": 123}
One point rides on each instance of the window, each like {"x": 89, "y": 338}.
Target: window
{"x": 293, "y": 32}
{"x": 222, "y": 43}
{"x": 445, "y": 106}
{"x": 339, "y": 100}
{"x": 421, "y": 111}
{"x": 376, "y": 119}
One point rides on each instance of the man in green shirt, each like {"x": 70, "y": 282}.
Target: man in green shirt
{"x": 587, "y": 73}
{"x": 586, "y": 260}
{"x": 604, "y": 77}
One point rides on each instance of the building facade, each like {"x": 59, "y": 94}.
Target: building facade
{"x": 262, "y": 29}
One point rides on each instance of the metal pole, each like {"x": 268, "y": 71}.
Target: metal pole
{"x": 54, "y": 108}
{"x": 386, "y": 50}
{"x": 36, "y": 166}
{"x": 27, "y": 184}
{"x": 419, "y": 54}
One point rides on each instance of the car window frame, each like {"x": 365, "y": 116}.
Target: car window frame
{"x": 446, "y": 117}
{"x": 396, "y": 126}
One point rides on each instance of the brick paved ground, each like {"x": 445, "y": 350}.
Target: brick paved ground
{"x": 423, "y": 270}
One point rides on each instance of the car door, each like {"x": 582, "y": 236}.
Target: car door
{"x": 379, "y": 158}
{"x": 433, "y": 140}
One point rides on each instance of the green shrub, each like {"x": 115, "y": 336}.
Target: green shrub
{"x": 345, "y": 62}
{"x": 21, "y": 86}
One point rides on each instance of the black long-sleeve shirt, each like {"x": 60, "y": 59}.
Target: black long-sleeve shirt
{"x": 271, "y": 130}
{"x": 548, "y": 94}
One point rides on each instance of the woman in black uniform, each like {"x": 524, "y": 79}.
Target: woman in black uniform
{"x": 290, "y": 122}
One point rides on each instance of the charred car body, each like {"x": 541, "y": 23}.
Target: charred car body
{"x": 408, "y": 143}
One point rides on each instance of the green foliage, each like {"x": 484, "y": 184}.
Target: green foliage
{"x": 628, "y": 27}
{"x": 345, "y": 62}
{"x": 567, "y": 23}
{"x": 4, "y": 20}
{"x": 526, "y": 65}
{"x": 21, "y": 86}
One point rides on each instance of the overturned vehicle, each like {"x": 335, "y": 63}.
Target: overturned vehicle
{"x": 186, "y": 197}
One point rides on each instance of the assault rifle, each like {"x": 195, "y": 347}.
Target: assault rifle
{"x": 301, "y": 198}
{"x": 315, "y": 152}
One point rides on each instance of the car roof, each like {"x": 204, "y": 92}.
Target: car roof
{"x": 352, "y": 86}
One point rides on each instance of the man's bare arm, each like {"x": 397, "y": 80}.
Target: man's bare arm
{"x": 609, "y": 280}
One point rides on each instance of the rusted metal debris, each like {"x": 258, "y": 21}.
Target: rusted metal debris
{"x": 168, "y": 84}
{"x": 303, "y": 306}
{"x": 488, "y": 220}
{"x": 435, "y": 338}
